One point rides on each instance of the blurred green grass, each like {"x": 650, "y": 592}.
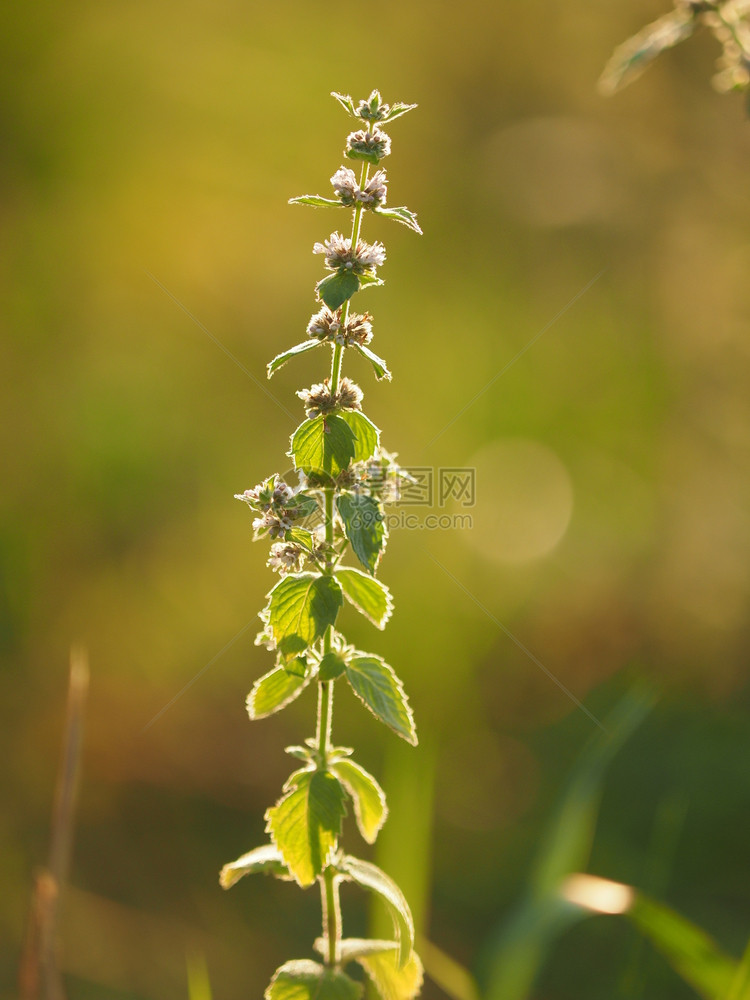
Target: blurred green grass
{"x": 166, "y": 139}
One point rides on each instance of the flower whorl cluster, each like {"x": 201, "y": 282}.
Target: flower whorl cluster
{"x": 364, "y": 145}
{"x": 383, "y": 478}
{"x": 340, "y": 255}
{"x": 373, "y": 194}
{"x": 319, "y": 398}
{"x": 278, "y": 505}
{"x": 328, "y": 325}
{"x": 286, "y": 557}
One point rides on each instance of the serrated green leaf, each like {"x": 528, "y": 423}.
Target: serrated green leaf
{"x": 630, "y": 59}
{"x": 364, "y": 524}
{"x": 304, "y": 979}
{"x": 324, "y": 444}
{"x": 331, "y": 666}
{"x": 370, "y": 809}
{"x": 306, "y": 822}
{"x": 400, "y": 214}
{"x": 302, "y": 537}
{"x": 346, "y": 103}
{"x": 369, "y": 876}
{"x": 392, "y": 982}
{"x": 369, "y": 596}
{"x": 336, "y": 288}
{"x": 316, "y": 201}
{"x": 273, "y": 692}
{"x": 300, "y": 608}
{"x": 265, "y": 859}
{"x": 379, "y": 366}
{"x": 366, "y": 434}
{"x": 300, "y": 753}
{"x": 297, "y": 666}
{"x": 370, "y": 281}
{"x": 375, "y": 683}
{"x": 397, "y": 110}
{"x": 281, "y": 359}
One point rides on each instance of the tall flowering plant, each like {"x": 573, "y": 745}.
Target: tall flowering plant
{"x": 328, "y": 535}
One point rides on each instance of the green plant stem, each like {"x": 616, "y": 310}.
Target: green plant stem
{"x": 331, "y": 915}
{"x": 338, "y": 351}
{"x": 325, "y": 714}
{"x": 328, "y": 884}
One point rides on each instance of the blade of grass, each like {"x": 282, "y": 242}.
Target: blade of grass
{"x": 740, "y": 988}
{"x": 691, "y": 952}
{"x": 39, "y": 973}
{"x": 199, "y": 985}
{"x": 521, "y": 945}
{"x": 452, "y": 978}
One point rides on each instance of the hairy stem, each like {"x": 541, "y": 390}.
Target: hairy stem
{"x": 328, "y": 885}
{"x": 329, "y": 890}
{"x": 338, "y": 351}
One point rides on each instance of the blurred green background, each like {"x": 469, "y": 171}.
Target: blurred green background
{"x": 611, "y": 528}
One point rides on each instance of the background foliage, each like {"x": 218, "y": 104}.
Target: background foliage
{"x": 611, "y": 529}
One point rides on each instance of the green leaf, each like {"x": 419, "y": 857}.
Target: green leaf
{"x": 300, "y": 608}
{"x": 306, "y": 822}
{"x": 366, "y": 434}
{"x": 370, "y": 809}
{"x": 400, "y": 214}
{"x": 371, "y": 877}
{"x": 377, "y": 686}
{"x": 302, "y": 537}
{"x": 630, "y": 59}
{"x": 363, "y": 154}
{"x": 273, "y": 692}
{"x": 264, "y": 859}
{"x": 380, "y": 367}
{"x": 316, "y": 201}
{"x": 297, "y": 667}
{"x": 370, "y": 281}
{"x": 304, "y": 979}
{"x": 336, "y": 288}
{"x": 379, "y": 960}
{"x": 364, "y": 523}
{"x": 397, "y": 110}
{"x": 331, "y": 666}
{"x": 346, "y": 103}
{"x": 324, "y": 444}
{"x": 369, "y": 596}
{"x": 281, "y": 359}
{"x": 392, "y": 982}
